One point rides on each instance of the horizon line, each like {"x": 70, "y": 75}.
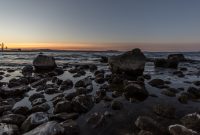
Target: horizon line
{"x": 104, "y": 46}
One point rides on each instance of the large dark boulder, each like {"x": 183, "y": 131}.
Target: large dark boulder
{"x": 44, "y": 62}
{"x": 131, "y": 63}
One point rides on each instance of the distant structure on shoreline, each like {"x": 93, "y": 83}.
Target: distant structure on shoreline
{"x": 3, "y": 47}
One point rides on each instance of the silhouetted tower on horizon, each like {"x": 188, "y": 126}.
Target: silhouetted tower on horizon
{"x": 3, "y": 47}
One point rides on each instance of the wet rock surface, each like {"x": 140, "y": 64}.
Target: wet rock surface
{"x": 33, "y": 121}
{"x": 43, "y": 62}
{"x": 49, "y": 128}
{"x": 131, "y": 63}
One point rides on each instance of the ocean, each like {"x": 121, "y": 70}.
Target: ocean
{"x": 18, "y": 59}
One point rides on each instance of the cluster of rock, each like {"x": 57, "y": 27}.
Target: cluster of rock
{"x": 192, "y": 93}
{"x": 58, "y": 115}
{"x": 171, "y": 62}
{"x": 163, "y": 123}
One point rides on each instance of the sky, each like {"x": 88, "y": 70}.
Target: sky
{"x": 152, "y": 25}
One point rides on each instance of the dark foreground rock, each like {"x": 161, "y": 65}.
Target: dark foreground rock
{"x": 82, "y": 103}
{"x": 131, "y": 63}
{"x": 157, "y": 83}
{"x": 136, "y": 92}
{"x": 181, "y": 130}
{"x": 71, "y": 127}
{"x": 43, "y": 62}
{"x": 33, "y": 121}
{"x": 49, "y": 128}
{"x": 192, "y": 121}
{"x": 148, "y": 124}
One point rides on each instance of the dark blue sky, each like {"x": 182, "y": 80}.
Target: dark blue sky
{"x": 149, "y": 21}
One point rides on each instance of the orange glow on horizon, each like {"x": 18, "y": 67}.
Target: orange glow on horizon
{"x": 57, "y": 46}
{"x": 107, "y": 46}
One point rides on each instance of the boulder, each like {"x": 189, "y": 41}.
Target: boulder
{"x": 51, "y": 91}
{"x": 104, "y": 59}
{"x": 36, "y": 96}
{"x": 44, "y": 62}
{"x": 40, "y": 108}
{"x": 63, "y": 106}
{"x": 135, "y": 91}
{"x": 116, "y": 105}
{"x": 181, "y": 130}
{"x": 49, "y": 128}
{"x": 92, "y": 67}
{"x": 33, "y": 121}
{"x": 84, "y": 82}
{"x": 82, "y": 103}
{"x": 66, "y": 85}
{"x": 27, "y": 69}
{"x": 20, "y": 110}
{"x": 192, "y": 121}
{"x": 194, "y": 92}
{"x": 157, "y": 82}
{"x": 131, "y": 63}
{"x": 197, "y": 83}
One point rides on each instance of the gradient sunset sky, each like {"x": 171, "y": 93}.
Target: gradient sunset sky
{"x": 152, "y": 25}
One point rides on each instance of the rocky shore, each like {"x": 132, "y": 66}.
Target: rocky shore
{"x": 116, "y": 97}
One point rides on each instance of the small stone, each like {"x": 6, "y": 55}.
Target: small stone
{"x": 63, "y": 106}
{"x": 116, "y": 105}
